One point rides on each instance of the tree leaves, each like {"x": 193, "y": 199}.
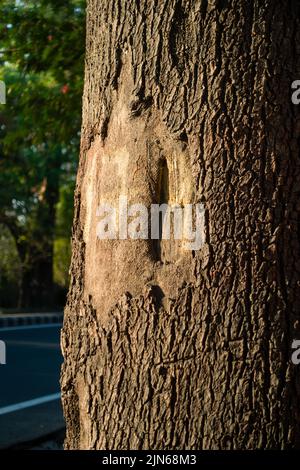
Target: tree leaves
{"x": 41, "y": 62}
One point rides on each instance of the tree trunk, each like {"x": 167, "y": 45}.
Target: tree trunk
{"x": 36, "y": 253}
{"x": 169, "y": 348}
{"x": 36, "y": 289}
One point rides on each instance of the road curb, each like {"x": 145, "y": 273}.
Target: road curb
{"x": 34, "y": 319}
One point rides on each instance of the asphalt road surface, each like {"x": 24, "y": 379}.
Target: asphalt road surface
{"x": 29, "y": 383}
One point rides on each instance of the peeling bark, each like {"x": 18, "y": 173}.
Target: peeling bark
{"x": 187, "y": 350}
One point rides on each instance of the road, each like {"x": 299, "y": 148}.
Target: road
{"x": 29, "y": 383}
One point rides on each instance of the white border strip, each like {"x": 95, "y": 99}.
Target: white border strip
{"x": 30, "y": 327}
{"x": 29, "y": 403}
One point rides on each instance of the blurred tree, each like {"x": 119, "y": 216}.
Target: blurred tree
{"x": 62, "y": 246}
{"x": 9, "y": 268}
{"x": 41, "y": 62}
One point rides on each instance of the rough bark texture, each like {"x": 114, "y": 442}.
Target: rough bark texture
{"x": 169, "y": 349}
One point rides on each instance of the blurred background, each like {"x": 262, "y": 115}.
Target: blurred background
{"x": 42, "y": 44}
{"x": 41, "y": 62}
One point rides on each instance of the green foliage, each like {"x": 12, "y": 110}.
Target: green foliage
{"x": 62, "y": 248}
{"x": 41, "y": 63}
{"x": 62, "y": 255}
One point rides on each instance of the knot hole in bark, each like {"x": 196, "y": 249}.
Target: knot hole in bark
{"x": 162, "y": 199}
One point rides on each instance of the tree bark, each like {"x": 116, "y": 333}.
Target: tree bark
{"x": 175, "y": 349}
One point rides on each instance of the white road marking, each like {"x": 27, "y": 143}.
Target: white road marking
{"x": 29, "y": 403}
{"x": 30, "y": 327}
